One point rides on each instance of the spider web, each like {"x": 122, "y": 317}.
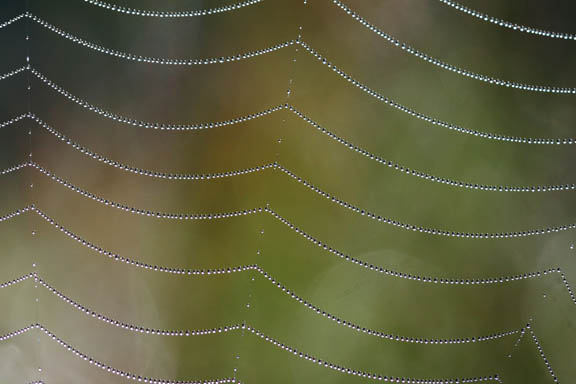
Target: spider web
{"x": 284, "y": 191}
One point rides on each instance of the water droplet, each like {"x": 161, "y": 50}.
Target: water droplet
{"x": 248, "y": 305}
{"x": 33, "y": 265}
{"x": 33, "y": 233}
{"x": 279, "y": 141}
{"x": 571, "y": 246}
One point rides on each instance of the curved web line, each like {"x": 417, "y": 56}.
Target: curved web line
{"x": 507, "y": 24}
{"x": 171, "y": 14}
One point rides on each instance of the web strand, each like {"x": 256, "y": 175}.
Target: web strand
{"x": 236, "y": 327}
{"x": 356, "y": 83}
{"x": 172, "y": 14}
{"x": 463, "y": 72}
{"x": 259, "y": 168}
{"x": 342, "y": 203}
{"x": 454, "y": 281}
{"x": 507, "y": 24}
{"x": 276, "y": 343}
{"x": 247, "y": 55}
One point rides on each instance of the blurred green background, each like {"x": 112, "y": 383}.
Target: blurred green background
{"x": 194, "y": 94}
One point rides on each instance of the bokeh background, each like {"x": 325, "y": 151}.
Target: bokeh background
{"x": 195, "y": 94}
